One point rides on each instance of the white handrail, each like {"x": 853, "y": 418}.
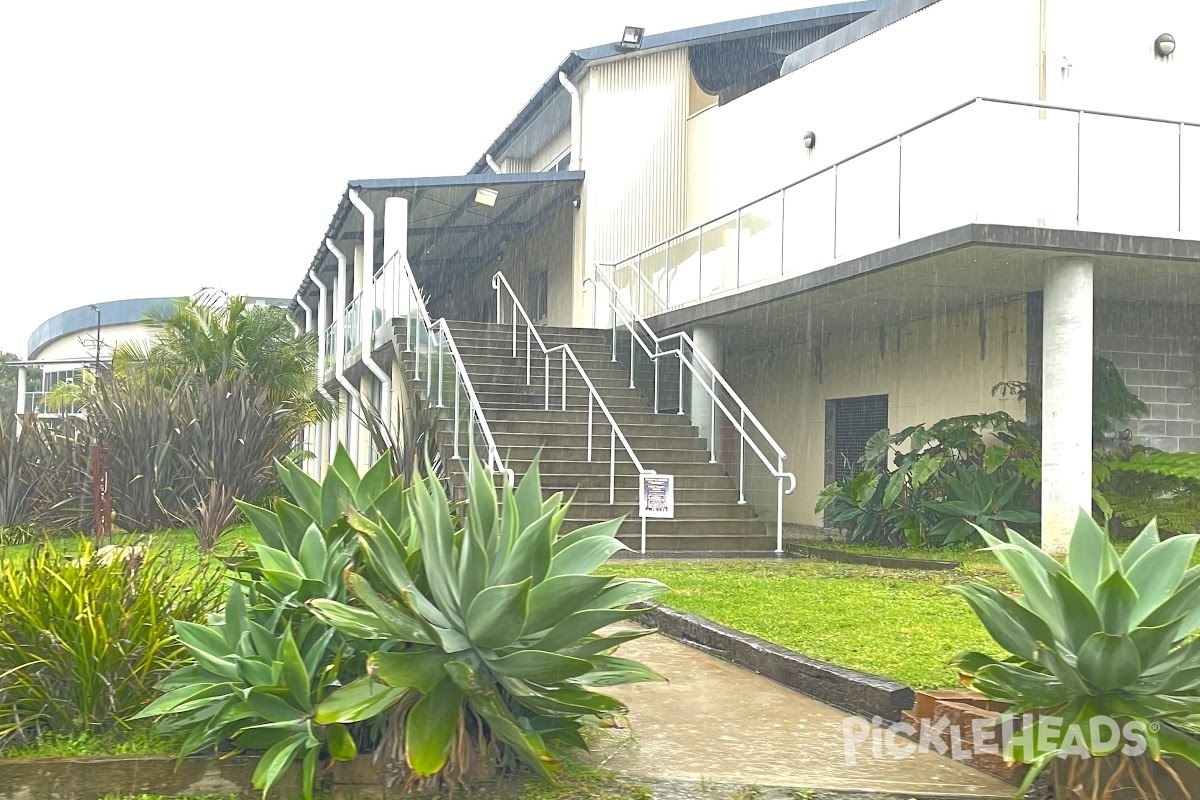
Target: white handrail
{"x": 629, "y": 317}
{"x": 500, "y": 282}
{"x": 494, "y": 461}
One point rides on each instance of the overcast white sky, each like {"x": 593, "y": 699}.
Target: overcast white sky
{"x": 152, "y": 149}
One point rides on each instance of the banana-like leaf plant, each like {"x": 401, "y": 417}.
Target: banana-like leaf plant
{"x": 1103, "y": 636}
{"x": 494, "y": 629}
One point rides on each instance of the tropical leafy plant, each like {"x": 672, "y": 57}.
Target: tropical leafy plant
{"x": 85, "y": 638}
{"x": 1134, "y": 485}
{"x": 1103, "y": 636}
{"x": 491, "y": 626}
{"x": 974, "y": 501}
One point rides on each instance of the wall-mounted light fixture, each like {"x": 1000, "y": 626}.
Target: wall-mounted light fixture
{"x": 576, "y": 202}
{"x": 1164, "y": 45}
{"x": 485, "y": 196}
{"x": 631, "y": 39}
{"x": 810, "y": 140}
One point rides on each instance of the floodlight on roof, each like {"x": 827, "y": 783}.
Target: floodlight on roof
{"x": 632, "y": 38}
{"x": 485, "y": 196}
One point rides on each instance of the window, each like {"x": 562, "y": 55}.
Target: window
{"x": 849, "y": 423}
{"x": 560, "y": 164}
{"x": 539, "y": 296}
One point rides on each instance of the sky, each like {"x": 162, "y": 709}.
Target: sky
{"x": 155, "y": 149}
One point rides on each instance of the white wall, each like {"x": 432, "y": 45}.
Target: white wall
{"x": 930, "y": 369}
{"x": 858, "y": 96}
{"x": 82, "y": 345}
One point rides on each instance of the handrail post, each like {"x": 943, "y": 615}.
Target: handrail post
{"x": 613, "y": 314}
{"x": 547, "y": 381}
{"x": 456, "y": 419}
{"x": 612, "y": 466}
{"x": 712, "y": 414}
{"x": 779, "y": 509}
{"x": 742, "y": 465}
{"x": 514, "y": 328}
{"x": 631, "y": 360}
{"x": 441, "y": 371}
{"x": 429, "y": 364}
{"x": 657, "y": 353}
{"x": 564, "y": 380}
{"x": 589, "y": 428}
{"x": 528, "y": 357}
{"x": 679, "y": 355}
{"x": 643, "y": 536}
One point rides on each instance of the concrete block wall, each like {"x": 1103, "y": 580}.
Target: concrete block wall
{"x": 1156, "y": 348}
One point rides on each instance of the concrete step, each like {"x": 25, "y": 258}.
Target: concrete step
{"x": 470, "y": 346}
{"x": 579, "y": 416}
{"x": 688, "y": 511}
{"x": 507, "y": 438}
{"x": 543, "y": 429}
{"x": 670, "y": 457}
{"x": 515, "y": 376}
{"x": 493, "y": 330}
{"x": 573, "y": 473}
{"x": 511, "y": 401}
{"x": 628, "y": 496}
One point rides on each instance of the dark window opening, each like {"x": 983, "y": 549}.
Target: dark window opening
{"x": 539, "y": 297}
{"x": 849, "y": 423}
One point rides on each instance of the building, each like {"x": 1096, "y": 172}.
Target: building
{"x": 68, "y": 345}
{"x": 862, "y": 214}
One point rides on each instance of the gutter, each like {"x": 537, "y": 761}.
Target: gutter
{"x": 576, "y": 121}
{"x": 366, "y": 314}
{"x": 339, "y": 352}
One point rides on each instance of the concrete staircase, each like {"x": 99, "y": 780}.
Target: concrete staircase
{"x": 708, "y": 517}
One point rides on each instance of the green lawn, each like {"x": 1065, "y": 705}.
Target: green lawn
{"x": 901, "y": 624}
{"x": 181, "y": 543}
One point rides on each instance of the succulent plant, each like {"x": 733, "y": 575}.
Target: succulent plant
{"x": 1102, "y": 636}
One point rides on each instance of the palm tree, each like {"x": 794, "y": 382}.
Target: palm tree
{"x": 213, "y": 337}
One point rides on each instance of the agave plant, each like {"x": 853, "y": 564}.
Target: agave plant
{"x": 492, "y": 629}
{"x": 1103, "y": 637}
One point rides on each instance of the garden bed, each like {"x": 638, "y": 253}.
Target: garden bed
{"x": 803, "y": 550}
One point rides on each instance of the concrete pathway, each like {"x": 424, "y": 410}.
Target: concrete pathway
{"x": 715, "y": 723}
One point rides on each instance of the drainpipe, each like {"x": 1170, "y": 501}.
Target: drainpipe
{"x": 322, "y": 356}
{"x": 22, "y": 377}
{"x": 308, "y": 322}
{"x": 491, "y": 162}
{"x": 367, "y": 320}
{"x": 576, "y": 121}
{"x": 339, "y": 351}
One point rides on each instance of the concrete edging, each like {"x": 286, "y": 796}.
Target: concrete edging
{"x": 850, "y": 690}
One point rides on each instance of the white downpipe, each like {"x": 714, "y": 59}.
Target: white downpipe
{"x": 22, "y": 378}
{"x": 366, "y": 309}
{"x": 313, "y": 432}
{"x": 491, "y": 162}
{"x": 576, "y": 121}
{"x": 339, "y": 351}
{"x": 322, "y": 325}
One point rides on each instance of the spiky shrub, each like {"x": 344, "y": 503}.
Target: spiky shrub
{"x": 1101, "y": 637}
{"x": 493, "y": 629}
{"x": 85, "y": 638}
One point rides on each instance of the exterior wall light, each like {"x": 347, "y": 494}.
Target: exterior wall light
{"x": 631, "y": 39}
{"x": 485, "y": 196}
{"x": 1164, "y": 45}
{"x": 575, "y": 202}
{"x": 810, "y": 140}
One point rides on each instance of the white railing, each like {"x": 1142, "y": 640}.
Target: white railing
{"x": 350, "y": 338}
{"x": 430, "y": 342}
{"x": 36, "y": 403}
{"x": 500, "y": 284}
{"x": 750, "y": 431}
{"x": 985, "y": 160}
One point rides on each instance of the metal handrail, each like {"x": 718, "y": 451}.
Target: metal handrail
{"x": 500, "y": 282}
{"x": 698, "y": 229}
{"x": 495, "y": 462}
{"x": 629, "y": 318}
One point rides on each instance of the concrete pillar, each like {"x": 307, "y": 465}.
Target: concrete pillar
{"x": 395, "y": 240}
{"x": 365, "y": 445}
{"x": 1066, "y": 399}
{"x": 22, "y": 377}
{"x": 705, "y": 415}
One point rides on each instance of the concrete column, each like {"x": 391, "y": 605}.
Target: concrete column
{"x": 395, "y": 240}
{"x": 365, "y": 445}
{"x": 359, "y": 270}
{"x": 1066, "y": 399}
{"x": 22, "y": 377}
{"x": 708, "y": 342}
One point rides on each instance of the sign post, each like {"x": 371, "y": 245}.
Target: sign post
{"x": 656, "y": 499}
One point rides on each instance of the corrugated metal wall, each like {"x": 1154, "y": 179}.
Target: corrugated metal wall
{"x": 635, "y": 153}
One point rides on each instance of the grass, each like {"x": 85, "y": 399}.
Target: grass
{"x": 902, "y": 624}
{"x": 141, "y": 741}
{"x": 180, "y": 542}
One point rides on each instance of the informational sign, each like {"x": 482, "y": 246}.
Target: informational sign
{"x": 657, "y": 496}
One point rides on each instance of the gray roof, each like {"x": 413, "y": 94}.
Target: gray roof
{"x": 551, "y": 93}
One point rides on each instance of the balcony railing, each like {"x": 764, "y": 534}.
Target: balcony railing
{"x": 350, "y": 335}
{"x": 988, "y": 161}
{"x": 47, "y": 404}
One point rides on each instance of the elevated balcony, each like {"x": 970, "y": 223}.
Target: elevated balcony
{"x": 984, "y": 161}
